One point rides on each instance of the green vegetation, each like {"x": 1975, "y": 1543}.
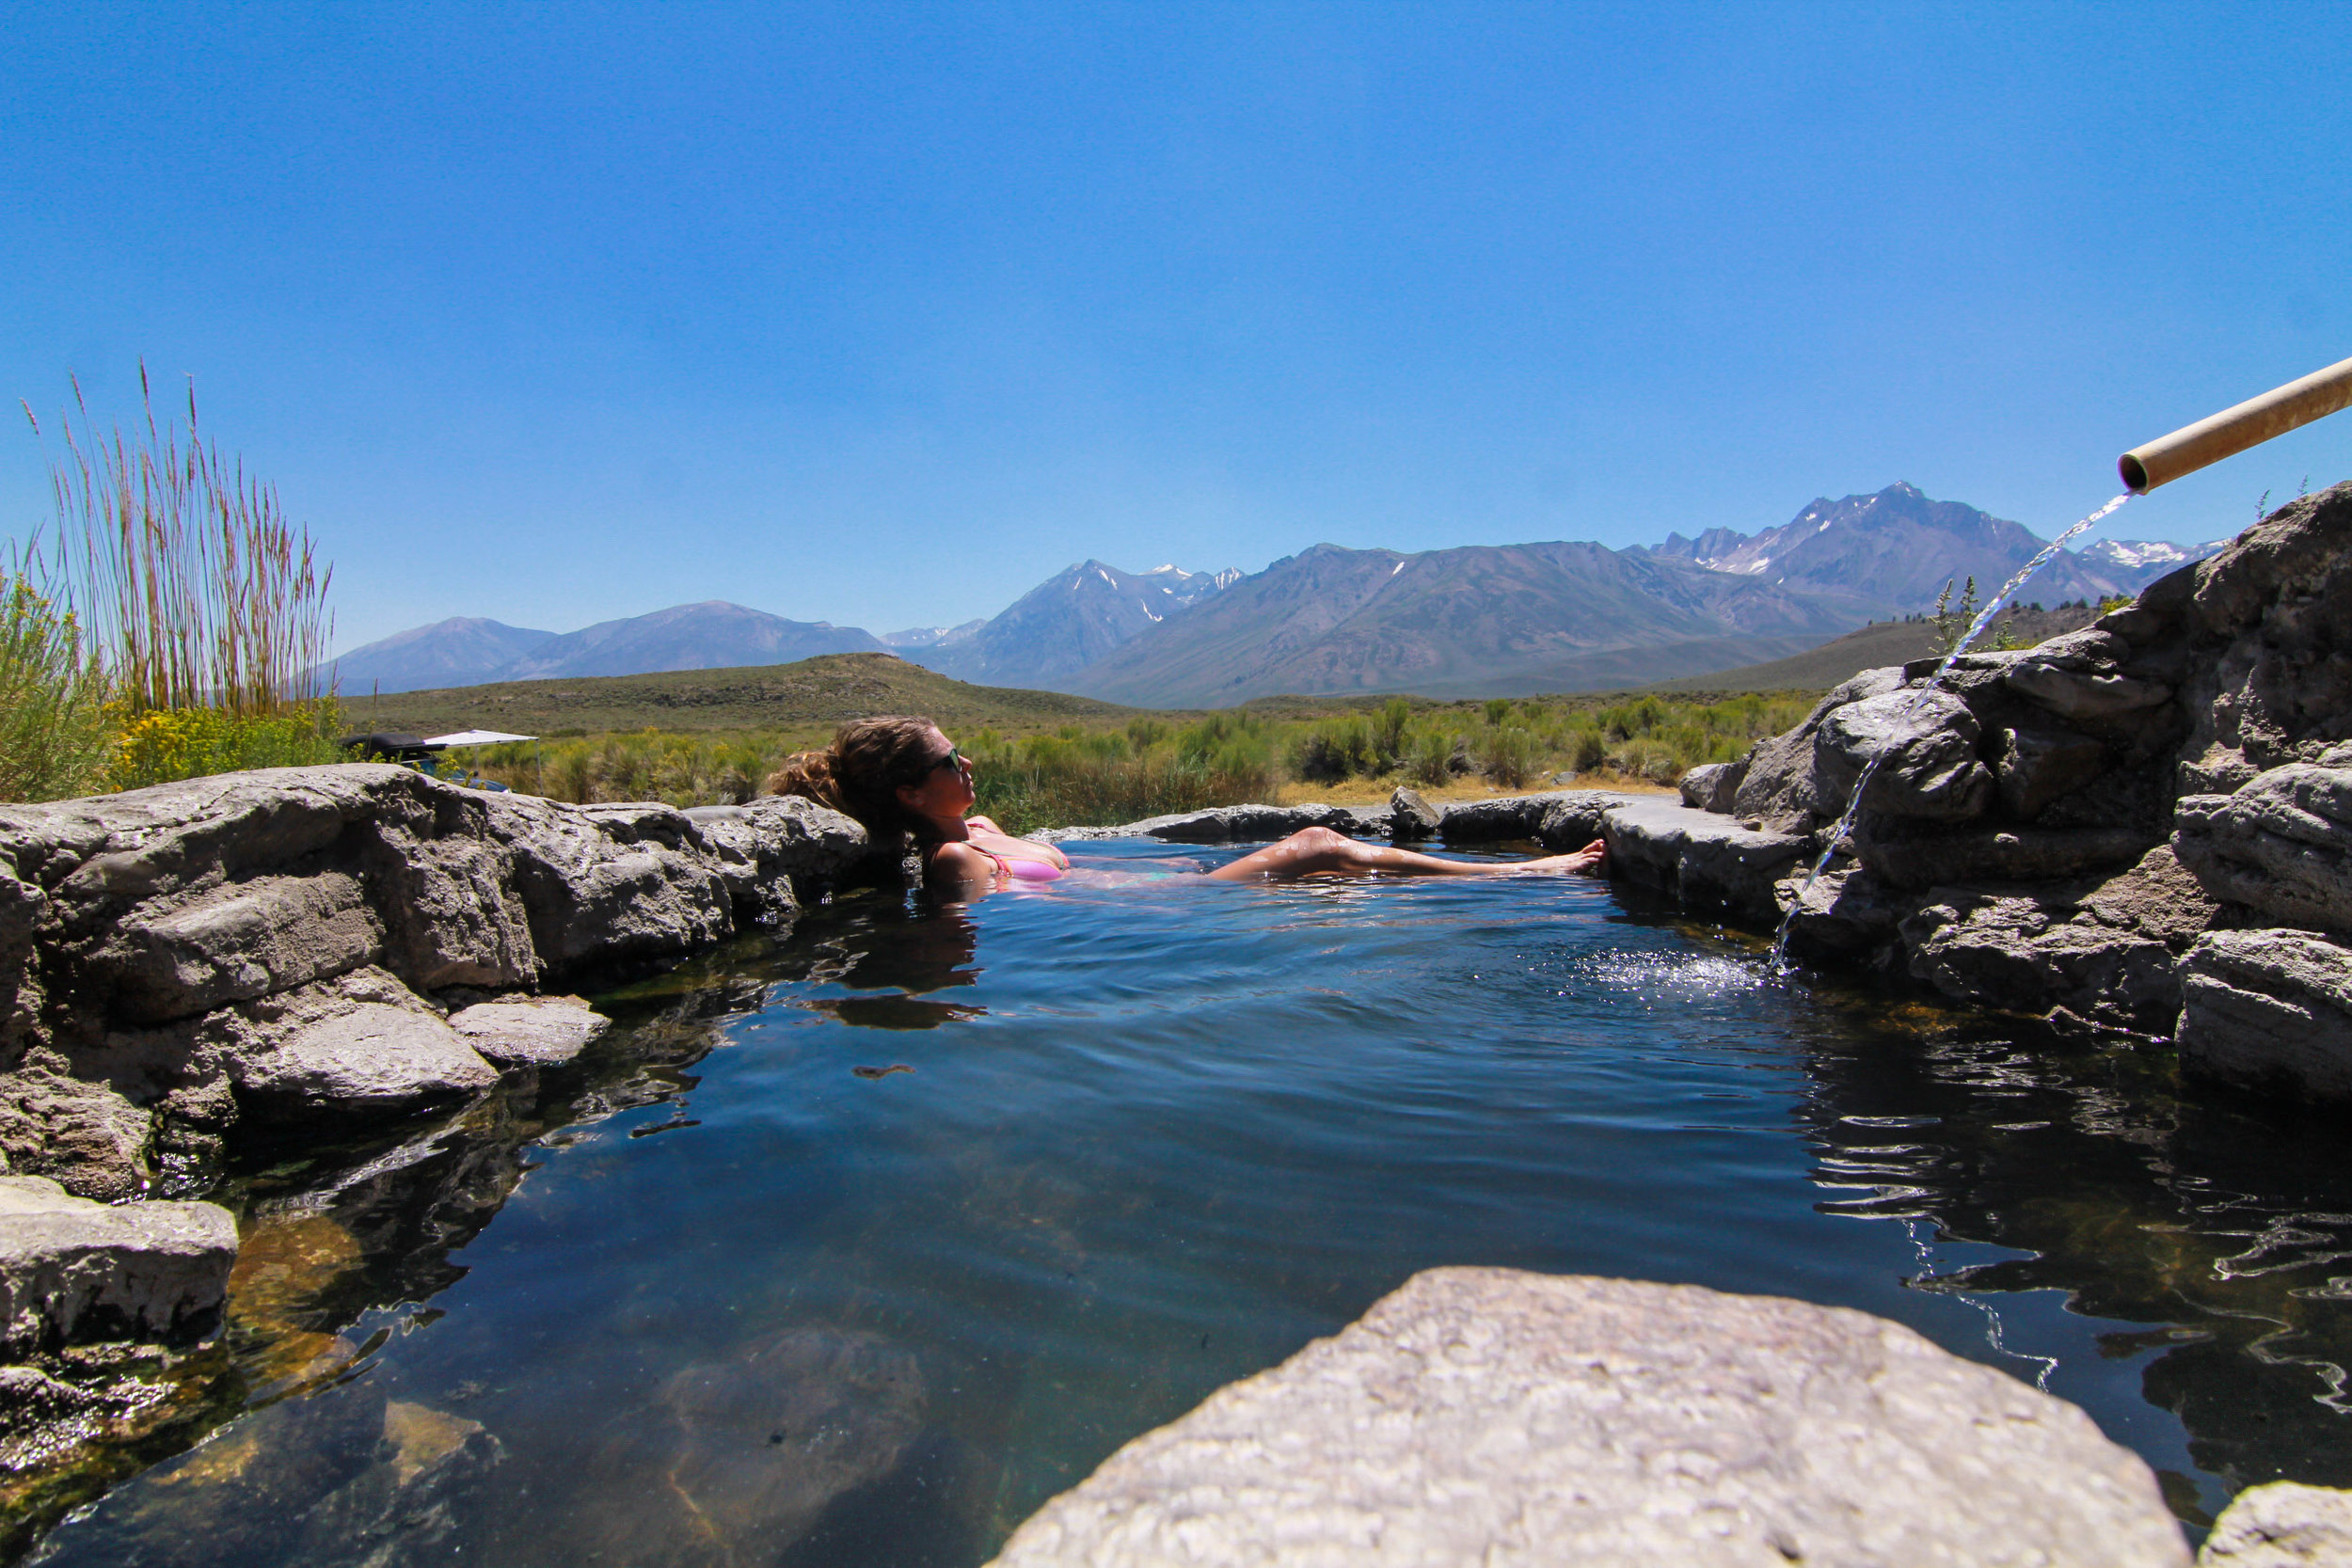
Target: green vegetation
{"x": 165, "y": 744}
{"x": 1128, "y": 766}
{"x": 201, "y": 612}
{"x": 55, "y": 730}
{"x": 808, "y": 697}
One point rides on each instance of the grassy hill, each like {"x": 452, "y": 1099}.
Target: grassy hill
{"x": 812, "y": 695}
{"x": 1871, "y": 648}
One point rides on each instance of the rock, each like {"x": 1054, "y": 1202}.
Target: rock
{"x": 1488, "y": 1417}
{"x": 2037, "y": 766}
{"x": 1410, "y": 816}
{"x": 1573, "y": 821}
{"x": 543, "y": 1030}
{"x": 611, "y": 885}
{"x": 2158, "y": 898}
{"x": 1781, "y": 790}
{"x": 1519, "y": 817}
{"x": 2281, "y": 846}
{"x": 2282, "y": 1525}
{"x": 1705, "y": 860}
{"x": 73, "y": 1271}
{"x": 235, "y": 943}
{"x": 84, "y": 1135}
{"x": 2075, "y": 677}
{"x": 1904, "y": 856}
{"x": 2269, "y": 1009}
{"x": 2272, "y": 618}
{"x": 1713, "y": 786}
{"x": 364, "y": 1046}
{"x": 41, "y": 1414}
{"x": 1846, "y": 913}
{"x": 1926, "y": 743}
{"x": 778, "y": 850}
{"x": 1249, "y": 824}
{"x": 2015, "y": 954}
{"x": 751, "y": 1450}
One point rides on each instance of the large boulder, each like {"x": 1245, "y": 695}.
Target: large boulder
{"x": 2282, "y": 844}
{"x": 2269, "y": 1009}
{"x": 776, "y": 852}
{"x": 1712, "y": 785}
{"x": 73, "y": 1271}
{"x": 1924, "y": 747}
{"x": 613, "y": 884}
{"x": 2269, "y": 619}
{"x": 234, "y": 942}
{"x": 1782, "y": 788}
{"x": 1489, "y": 1417}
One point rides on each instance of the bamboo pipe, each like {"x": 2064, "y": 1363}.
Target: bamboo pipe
{"x": 2232, "y": 430}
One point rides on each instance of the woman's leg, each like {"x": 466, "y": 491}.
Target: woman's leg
{"x": 1312, "y": 851}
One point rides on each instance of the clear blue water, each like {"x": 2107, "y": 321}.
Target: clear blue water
{"x": 716, "y": 1296}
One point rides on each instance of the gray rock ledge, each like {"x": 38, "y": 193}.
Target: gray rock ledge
{"x": 1493, "y": 1417}
{"x": 73, "y": 1271}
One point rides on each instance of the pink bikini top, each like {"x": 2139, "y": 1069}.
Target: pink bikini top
{"x": 1023, "y": 870}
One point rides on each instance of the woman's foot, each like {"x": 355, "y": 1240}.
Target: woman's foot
{"x": 1590, "y": 860}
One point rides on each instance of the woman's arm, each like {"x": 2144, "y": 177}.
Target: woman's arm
{"x": 959, "y": 868}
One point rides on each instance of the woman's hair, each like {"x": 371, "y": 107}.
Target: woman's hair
{"x": 861, "y": 772}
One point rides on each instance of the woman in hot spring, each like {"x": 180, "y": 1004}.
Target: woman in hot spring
{"x": 900, "y": 778}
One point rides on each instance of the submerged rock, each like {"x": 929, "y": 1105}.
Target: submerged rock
{"x": 742, "y": 1456}
{"x": 1489, "y": 1417}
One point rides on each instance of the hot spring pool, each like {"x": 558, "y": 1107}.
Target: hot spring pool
{"x": 716, "y": 1295}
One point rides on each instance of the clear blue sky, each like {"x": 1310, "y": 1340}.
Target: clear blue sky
{"x": 881, "y": 314}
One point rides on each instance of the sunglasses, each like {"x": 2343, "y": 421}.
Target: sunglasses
{"x": 953, "y": 759}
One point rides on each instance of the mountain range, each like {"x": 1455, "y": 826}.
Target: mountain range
{"x": 1489, "y": 620}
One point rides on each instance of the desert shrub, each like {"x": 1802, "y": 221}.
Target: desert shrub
{"x": 1389, "y": 728}
{"x": 55, "y": 732}
{"x": 1428, "y": 757}
{"x": 1333, "y": 750}
{"x": 1507, "y": 756}
{"x": 162, "y": 745}
{"x": 1590, "y": 752}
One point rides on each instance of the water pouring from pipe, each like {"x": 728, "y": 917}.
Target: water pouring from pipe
{"x": 2159, "y": 462}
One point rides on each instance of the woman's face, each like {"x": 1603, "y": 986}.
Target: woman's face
{"x": 946, "y": 790}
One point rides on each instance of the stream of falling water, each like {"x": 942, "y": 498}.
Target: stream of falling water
{"x": 1779, "y": 964}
